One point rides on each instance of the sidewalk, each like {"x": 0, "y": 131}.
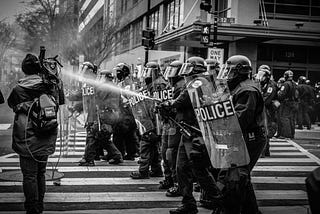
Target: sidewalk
{"x": 312, "y": 134}
{"x": 264, "y": 210}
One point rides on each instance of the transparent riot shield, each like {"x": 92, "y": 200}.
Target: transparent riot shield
{"x": 218, "y": 122}
{"x": 143, "y": 110}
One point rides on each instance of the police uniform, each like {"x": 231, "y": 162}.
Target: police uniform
{"x": 249, "y": 106}
{"x": 92, "y": 128}
{"x": 288, "y": 109}
{"x": 192, "y": 157}
{"x": 174, "y": 135}
{"x": 165, "y": 95}
{"x": 306, "y": 100}
{"x": 108, "y": 111}
{"x": 150, "y": 140}
{"x": 269, "y": 91}
{"x": 127, "y": 144}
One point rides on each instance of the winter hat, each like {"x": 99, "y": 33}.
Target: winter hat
{"x": 30, "y": 64}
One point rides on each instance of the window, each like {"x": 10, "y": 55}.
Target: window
{"x": 125, "y": 39}
{"x": 154, "y": 21}
{"x": 174, "y": 14}
{"x": 124, "y": 6}
{"x": 137, "y": 32}
{"x": 305, "y": 10}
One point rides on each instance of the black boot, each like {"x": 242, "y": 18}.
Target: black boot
{"x": 166, "y": 183}
{"x": 185, "y": 209}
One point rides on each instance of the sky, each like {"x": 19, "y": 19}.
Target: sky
{"x": 10, "y": 8}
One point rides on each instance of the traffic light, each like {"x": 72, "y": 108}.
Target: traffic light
{"x": 205, "y": 34}
{"x": 206, "y": 5}
{"x": 148, "y": 38}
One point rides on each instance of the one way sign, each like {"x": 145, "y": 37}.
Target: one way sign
{"x": 205, "y": 34}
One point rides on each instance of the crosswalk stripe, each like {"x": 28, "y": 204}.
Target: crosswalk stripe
{"x": 89, "y": 197}
{"x": 283, "y": 148}
{"x": 295, "y": 160}
{"x": 118, "y": 168}
{"x": 261, "y": 160}
{"x": 129, "y": 181}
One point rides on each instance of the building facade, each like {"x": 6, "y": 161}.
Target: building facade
{"x": 284, "y": 34}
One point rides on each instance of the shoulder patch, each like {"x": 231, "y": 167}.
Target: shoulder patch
{"x": 282, "y": 88}
{"x": 270, "y": 90}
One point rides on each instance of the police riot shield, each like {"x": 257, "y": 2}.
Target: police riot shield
{"x": 88, "y": 95}
{"x": 217, "y": 120}
{"x": 143, "y": 110}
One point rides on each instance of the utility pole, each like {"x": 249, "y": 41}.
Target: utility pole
{"x": 146, "y": 53}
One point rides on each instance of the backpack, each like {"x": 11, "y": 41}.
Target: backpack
{"x": 43, "y": 114}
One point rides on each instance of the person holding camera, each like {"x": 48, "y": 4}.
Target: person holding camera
{"x": 28, "y": 99}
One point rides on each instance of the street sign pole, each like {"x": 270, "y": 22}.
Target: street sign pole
{"x": 215, "y": 24}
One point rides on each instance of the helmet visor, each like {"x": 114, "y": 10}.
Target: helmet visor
{"x": 227, "y": 72}
{"x": 148, "y": 72}
{"x": 171, "y": 72}
{"x": 186, "y": 69}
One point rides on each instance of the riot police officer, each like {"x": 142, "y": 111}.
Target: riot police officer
{"x": 108, "y": 114}
{"x": 306, "y": 101}
{"x": 213, "y": 67}
{"x": 127, "y": 144}
{"x": 144, "y": 110}
{"x": 288, "y": 96}
{"x": 192, "y": 159}
{"x": 90, "y": 111}
{"x": 249, "y": 106}
{"x": 170, "y": 134}
{"x": 269, "y": 91}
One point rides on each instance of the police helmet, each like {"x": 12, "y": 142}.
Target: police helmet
{"x": 106, "y": 74}
{"x": 173, "y": 69}
{"x": 281, "y": 80}
{"x": 266, "y": 69}
{"x": 302, "y": 80}
{"x": 237, "y": 65}
{"x": 264, "y": 73}
{"x": 194, "y": 65}
{"x": 151, "y": 72}
{"x": 122, "y": 70}
{"x": 89, "y": 68}
{"x": 308, "y": 82}
{"x": 288, "y": 75}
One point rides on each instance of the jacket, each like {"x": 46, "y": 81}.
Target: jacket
{"x": 1, "y": 98}
{"x": 24, "y": 140}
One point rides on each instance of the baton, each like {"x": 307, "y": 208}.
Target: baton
{"x": 183, "y": 129}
